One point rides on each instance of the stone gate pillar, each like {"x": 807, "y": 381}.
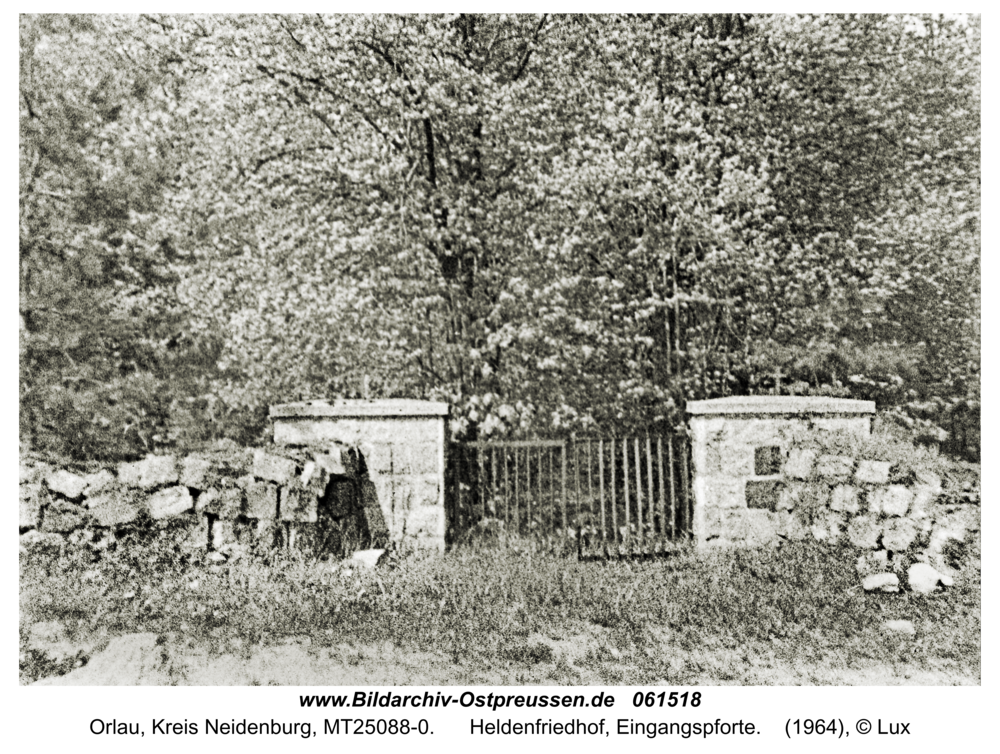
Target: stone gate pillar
{"x": 402, "y": 445}
{"x": 746, "y": 449}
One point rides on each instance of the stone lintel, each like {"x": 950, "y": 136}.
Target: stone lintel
{"x": 359, "y": 408}
{"x": 780, "y": 405}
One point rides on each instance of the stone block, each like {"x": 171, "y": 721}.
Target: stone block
{"x": 763, "y": 493}
{"x": 898, "y": 534}
{"x": 402, "y": 497}
{"x": 66, "y": 483}
{"x": 170, "y": 501}
{"x": 27, "y": 472}
{"x": 800, "y": 463}
{"x": 198, "y": 535}
{"x": 298, "y": 504}
{"x": 355, "y": 430}
{"x": 30, "y": 498}
{"x": 314, "y": 478}
{"x": 402, "y": 459}
{"x": 790, "y": 495}
{"x": 753, "y": 528}
{"x": 398, "y": 430}
{"x": 759, "y": 431}
{"x": 881, "y": 582}
{"x": 229, "y": 461}
{"x": 272, "y": 468}
{"x": 310, "y": 470}
{"x": 130, "y": 473}
{"x": 338, "y": 462}
{"x": 903, "y": 627}
{"x": 38, "y": 540}
{"x": 426, "y": 525}
{"x": 724, "y": 493}
{"x": 952, "y": 525}
{"x": 207, "y": 501}
{"x": 872, "y": 472}
{"x": 828, "y": 526}
{"x": 262, "y": 500}
{"x": 222, "y": 534}
{"x": 923, "y": 501}
{"x": 244, "y": 482}
{"x": 806, "y": 497}
{"x": 314, "y": 432}
{"x": 197, "y": 473}
{"x": 426, "y": 489}
{"x": 225, "y": 503}
{"x": 869, "y": 563}
{"x": 835, "y": 467}
{"x": 929, "y": 479}
{"x": 62, "y": 516}
{"x": 791, "y": 526}
{"x": 715, "y": 522}
{"x": 893, "y": 500}
{"x": 157, "y": 471}
{"x": 267, "y": 533}
{"x": 968, "y": 515}
{"x": 863, "y": 531}
{"x": 378, "y": 457}
{"x": 922, "y": 578}
{"x": 845, "y": 499}
{"x": 81, "y": 537}
{"x": 730, "y": 459}
{"x": 367, "y": 559}
{"x": 98, "y": 481}
{"x": 115, "y": 506}
{"x": 844, "y": 426}
{"x": 421, "y": 457}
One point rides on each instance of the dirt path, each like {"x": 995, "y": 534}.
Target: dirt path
{"x": 144, "y": 659}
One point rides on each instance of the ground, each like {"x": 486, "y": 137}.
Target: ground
{"x": 579, "y": 658}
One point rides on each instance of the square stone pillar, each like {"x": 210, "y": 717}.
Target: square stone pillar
{"x": 745, "y": 465}
{"x": 401, "y": 444}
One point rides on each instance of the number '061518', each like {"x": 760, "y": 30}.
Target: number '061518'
{"x": 663, "y": 699}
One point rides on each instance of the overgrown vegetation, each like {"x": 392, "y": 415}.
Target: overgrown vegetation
{"x": 892, "y": 443}
{"x": 485, "y": 605}
{"x": 555, "y": 223}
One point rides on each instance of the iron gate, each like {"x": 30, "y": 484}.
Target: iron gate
{"x": 603, "y": 497}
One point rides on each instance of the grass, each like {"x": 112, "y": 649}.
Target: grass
{"x": 888, "y": 442}
{"x": 509, "y": 604}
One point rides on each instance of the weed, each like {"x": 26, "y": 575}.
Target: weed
{"x": 481, "y": 604}
{"x": 529, "y": 653}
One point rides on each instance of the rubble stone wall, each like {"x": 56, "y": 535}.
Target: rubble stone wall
{"x": 229, "y": 497}
{"x": 772, "y": 468}
{"x": 329, "y": 487}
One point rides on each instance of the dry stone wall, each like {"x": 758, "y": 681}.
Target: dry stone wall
{"x": 340, "y": 477}
{"x": 768, "y": 469}
{"x": 230, "y": 499}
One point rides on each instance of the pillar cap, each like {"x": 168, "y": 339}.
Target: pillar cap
{"x": 779, "y": 404}
{"x": 391, "y": 407}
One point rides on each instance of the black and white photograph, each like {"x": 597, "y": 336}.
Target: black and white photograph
{"x": 518, "y": 358}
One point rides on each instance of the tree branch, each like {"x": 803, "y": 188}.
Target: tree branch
{"x": 528, "y": 48}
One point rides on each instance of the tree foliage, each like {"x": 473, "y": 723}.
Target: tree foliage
{"x": 554, "y": 223}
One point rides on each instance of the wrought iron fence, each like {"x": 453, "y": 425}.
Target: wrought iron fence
{"x": 606, "y": 497}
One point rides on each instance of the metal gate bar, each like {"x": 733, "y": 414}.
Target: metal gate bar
{"x": 615, "y": 511}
